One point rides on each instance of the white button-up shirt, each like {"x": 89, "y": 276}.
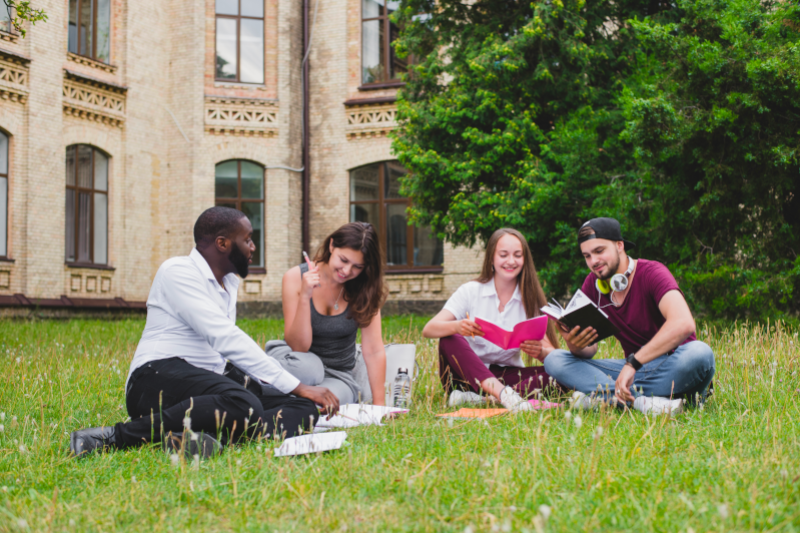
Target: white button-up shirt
{"x": 481, "y": 301}
{"x": 191, "y": 316}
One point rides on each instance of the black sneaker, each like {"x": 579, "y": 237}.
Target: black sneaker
{"x": 86, "y": 441}
{"x": 201, "y": 444}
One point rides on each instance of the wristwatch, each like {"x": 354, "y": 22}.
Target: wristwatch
{"x": 631, "y": 360}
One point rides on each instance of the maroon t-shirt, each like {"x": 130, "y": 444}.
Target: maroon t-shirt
{"x": 638, "y": 318}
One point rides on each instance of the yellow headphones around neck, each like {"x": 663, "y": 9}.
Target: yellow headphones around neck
{"x": 619, "y": 282}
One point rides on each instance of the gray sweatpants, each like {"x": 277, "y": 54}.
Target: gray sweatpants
{"x": 349, "y": 386}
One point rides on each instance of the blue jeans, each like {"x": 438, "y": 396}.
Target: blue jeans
{"x": 685, "y": 372}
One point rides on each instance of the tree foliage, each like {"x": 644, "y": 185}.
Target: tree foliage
{"x": 20, "y": 11}
{"x": 676, "y": 119}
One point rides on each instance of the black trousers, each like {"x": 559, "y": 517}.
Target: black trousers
{"x": 160, "y": 394}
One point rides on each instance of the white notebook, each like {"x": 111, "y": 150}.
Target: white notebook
{"x": 311, "y": 443}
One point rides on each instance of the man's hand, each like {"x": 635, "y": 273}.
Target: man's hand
{"x": 577, "y": 339}
{"x": 623, "y": 385}
{"x": 321, "y": 396}
{"x": 532, "y": 348}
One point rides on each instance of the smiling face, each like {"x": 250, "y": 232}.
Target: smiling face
{"x": 602, "y": 256}
{"x": 345, "y": 263}
{"x": 508, "y": 258}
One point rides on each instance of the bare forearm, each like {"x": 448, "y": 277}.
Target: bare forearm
{"x": 436, "y": 329}
{"x": 669, "y": 337}
{"x": 376, "y": 372}
{"x": 298, "y": 335}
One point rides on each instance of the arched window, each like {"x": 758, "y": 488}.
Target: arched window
{"x": 89, "y": 32}
{"x": 240, "y": 184}
{"x": 87, "y": 205}
{"x": 375, "y": 198}
{"x": 240, "y": 41}
{"x": 3, "y": 194}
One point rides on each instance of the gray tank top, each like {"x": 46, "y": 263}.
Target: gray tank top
{"x": 333, "y": 338}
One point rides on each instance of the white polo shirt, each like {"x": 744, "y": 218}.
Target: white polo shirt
{"x": 191, "y": 316}
{"x": 481, "y": 301}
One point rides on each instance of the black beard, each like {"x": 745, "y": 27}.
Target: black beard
{"x": 612, "y": 270}
{"x": 239, "y": 261}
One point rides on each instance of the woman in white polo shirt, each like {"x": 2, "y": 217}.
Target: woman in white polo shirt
{"x": 506, "y": 293}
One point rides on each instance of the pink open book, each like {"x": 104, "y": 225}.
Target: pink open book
{"x": 529, "y": 330}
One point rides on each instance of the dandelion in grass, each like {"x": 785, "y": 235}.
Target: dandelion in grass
{"x": 2, "y": 416}
{"x": 578, "y": 422}
{"x": 22, "y": 524}
{"x": 133, "y": 479}
{"x": 598, "y": 432}
{"x": 187, "y": 423}
{"x": 545, "y": 511}
{"x": 2, "y": 428}
{"x": 568, "y": 415}
{"x": 23, "y": 449}
{"x": 174, "y": 459}
{"x": 723, "y": 510}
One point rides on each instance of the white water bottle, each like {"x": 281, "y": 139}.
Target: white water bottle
{"x": 401, "y": 389}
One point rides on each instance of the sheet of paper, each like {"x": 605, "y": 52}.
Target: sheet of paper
{"x": 311, "y": 443}
{"x": 353, "y": 414}
{"x": 579, "y": 299}
{"x": 466, "y": 412}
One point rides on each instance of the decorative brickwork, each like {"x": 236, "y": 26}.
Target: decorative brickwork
{"x": 94, "y": 100}
{"x": 89, "y": 62}
{"x": 241, "y": 116}
{"x": 370, "y": 120}
{"x": 13, "y": 80}
{"x": 9, "y": 37}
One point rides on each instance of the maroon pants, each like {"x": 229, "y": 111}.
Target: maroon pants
{"x": 460, "y": 368}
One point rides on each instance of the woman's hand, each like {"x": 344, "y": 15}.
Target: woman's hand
{"x": 533, "y": 349}
{"x": 468, "y": 328}
{"x": 310, "y": 280}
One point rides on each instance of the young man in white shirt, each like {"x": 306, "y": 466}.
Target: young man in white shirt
{"x": 178, "y": 378}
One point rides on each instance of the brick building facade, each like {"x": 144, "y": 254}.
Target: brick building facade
{"x": 123, "y": 121}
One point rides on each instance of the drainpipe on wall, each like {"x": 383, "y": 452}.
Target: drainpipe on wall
{"x": 306, "y": 177}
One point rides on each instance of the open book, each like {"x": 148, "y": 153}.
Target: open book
{"x": 581, "y": 311}
{"x": 528, "y": 330}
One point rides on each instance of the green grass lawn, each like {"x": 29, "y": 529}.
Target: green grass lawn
{"x": 732, "y": 466}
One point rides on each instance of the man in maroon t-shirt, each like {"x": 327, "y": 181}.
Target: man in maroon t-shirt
{"x": 664, "y": 363}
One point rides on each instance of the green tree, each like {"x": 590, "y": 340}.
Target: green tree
{"x": 674, "y": 118}
{"x": 509, "y": 119}
{"x": 713, "y": 118}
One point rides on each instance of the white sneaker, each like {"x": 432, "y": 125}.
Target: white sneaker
{"x": 513, "y": 401}
{"x": 658, "y": 405}
{"x": 460, "y": 397}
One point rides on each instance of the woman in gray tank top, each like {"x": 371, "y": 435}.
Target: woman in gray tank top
{"x": 325, "y": 302}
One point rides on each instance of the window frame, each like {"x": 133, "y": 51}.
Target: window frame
{"x": 238, "y": 200}
{"x": 238, "y": 19}
{"x": 383, "y": 19}
{"x": 91, "y": 191}
{"x": 382, "y": 202}
{"x": 93, "y": 55}
{"x": 6, "y": 256}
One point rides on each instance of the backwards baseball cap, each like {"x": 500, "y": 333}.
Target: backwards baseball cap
{"x": 604, "y": 228}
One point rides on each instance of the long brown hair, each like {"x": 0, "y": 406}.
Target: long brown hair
{"x": 366, "y": 293}
{"x": 530, "y": 289}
